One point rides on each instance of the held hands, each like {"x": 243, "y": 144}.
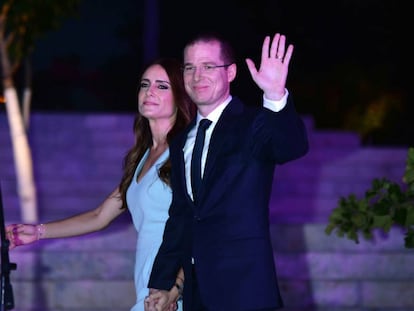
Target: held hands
{"x": 160, "y": 300}
{"x": 272, "y": 74}
{"x": 22, "y": 234}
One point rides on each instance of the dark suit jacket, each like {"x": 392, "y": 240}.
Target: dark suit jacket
{"x": 227, "y": 231}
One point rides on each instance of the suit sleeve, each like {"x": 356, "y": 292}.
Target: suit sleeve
{"x": 284, "y": 131}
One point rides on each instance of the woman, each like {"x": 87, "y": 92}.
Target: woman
{"x": 163, "y": 110}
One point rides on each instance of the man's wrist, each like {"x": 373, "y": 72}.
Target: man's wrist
{"x": 275, "y": 105}
{"x": 180, "y": 289}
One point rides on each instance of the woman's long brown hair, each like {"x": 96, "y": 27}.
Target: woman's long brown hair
{"x": 143, "y": 137}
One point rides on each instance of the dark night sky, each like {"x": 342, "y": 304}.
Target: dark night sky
{"x": 346, "y": 52}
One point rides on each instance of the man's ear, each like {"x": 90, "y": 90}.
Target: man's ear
{"x": 231, "y": 72}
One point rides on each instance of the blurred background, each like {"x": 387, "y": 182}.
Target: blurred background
{"x": 349, "y": 78}
{"x": 349, "y": 69}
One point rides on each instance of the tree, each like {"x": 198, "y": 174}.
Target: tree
{"x": 22, "y": 22}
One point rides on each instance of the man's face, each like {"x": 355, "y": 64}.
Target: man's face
{"x": 207, "y": 85}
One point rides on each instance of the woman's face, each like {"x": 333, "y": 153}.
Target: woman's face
{"x": 155, "y": 96}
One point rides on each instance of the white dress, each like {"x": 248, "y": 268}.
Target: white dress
{"x": 148, "y": 202}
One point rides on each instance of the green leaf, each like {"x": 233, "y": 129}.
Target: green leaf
{"x": 382, "y": 222}
{"x": 385, "y": 204}
{"x": 400, "y": 216}
{"x": 409, "y": 221}
{"x": 409, "y": 239}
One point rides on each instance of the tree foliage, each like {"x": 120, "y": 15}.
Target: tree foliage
{"x": 385, "y": 204}
{"x": 25, "y": 21}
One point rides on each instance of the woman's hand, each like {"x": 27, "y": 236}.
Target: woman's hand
{"x": 160, "y": 300}
{"x": 22, "y": 234}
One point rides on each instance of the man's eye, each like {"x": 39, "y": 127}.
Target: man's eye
{"x": 208, "y": 67}
{"x": 189, "y": 68}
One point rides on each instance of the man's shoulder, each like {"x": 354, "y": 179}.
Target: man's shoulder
{"x": 179, "y": 139}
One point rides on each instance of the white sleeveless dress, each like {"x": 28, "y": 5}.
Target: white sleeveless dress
{"x": 148, "y": 202}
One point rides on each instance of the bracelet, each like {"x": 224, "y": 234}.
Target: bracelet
{"x": 41, "y": 229}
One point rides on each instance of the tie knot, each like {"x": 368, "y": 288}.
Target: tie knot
{"x": 204, "y": 124}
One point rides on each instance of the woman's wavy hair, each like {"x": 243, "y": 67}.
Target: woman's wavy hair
{"x": 143, "y": 137}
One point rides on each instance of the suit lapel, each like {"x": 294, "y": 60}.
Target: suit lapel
{"x": 183, "y": 181}
{"x": 222, "y": 138}
{"x": 180, "y": 143}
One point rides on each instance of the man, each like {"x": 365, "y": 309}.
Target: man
{"x": 221, "y": 237}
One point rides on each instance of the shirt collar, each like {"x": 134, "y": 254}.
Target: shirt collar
{"x": 216, "y": 113}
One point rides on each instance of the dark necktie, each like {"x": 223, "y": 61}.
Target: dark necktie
{"x": 196, "y": 157}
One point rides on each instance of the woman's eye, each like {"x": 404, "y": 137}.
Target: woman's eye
{"x": 163, "y": 87}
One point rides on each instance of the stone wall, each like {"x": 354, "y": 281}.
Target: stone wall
{"x": 78, "y": 160}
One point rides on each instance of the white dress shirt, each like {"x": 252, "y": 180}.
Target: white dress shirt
{"x": 213, "y": 117}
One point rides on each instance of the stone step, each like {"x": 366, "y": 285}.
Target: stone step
{"x": 75, "y": 273}
{"x": 78, "y": 161}
{"x": 309, "y": 187}
{"x": 61, "y": 130}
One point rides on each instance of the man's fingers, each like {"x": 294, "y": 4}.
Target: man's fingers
{"x": 251, "y": 66}
{"x": 280, "y": 46}
{"x": 274, "y": 48}
{"x": 288, "y": 55}
{"x": 265, "y": 48}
